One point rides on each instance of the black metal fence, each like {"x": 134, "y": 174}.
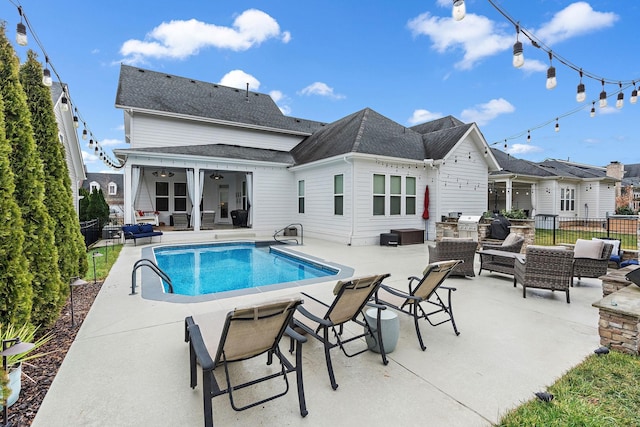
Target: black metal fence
{"x": 91, "y": 231}
{"x": 554, "y": 229}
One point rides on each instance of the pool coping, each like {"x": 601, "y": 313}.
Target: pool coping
{"x": 151, "y": 286}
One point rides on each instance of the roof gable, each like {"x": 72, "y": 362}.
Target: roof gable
{"x": 436, "y": 125}
{"x": 365, "y": 132}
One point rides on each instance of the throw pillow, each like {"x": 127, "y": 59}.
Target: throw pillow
{"x": 511, "y": 239}
{"x": 588, "y": 249}
{"x": 616, "y": 245}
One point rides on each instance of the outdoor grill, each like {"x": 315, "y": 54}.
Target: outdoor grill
{"x": 468, "y": 226}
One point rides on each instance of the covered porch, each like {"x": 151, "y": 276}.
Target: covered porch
{"x": 183, "y": 198}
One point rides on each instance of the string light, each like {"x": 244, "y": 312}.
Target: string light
{"x": 581, "y": 95}
{"x": 65, "y": 101}
{"x": 603, "y": 97}
{"x": 459, "y": 10}
{"x": 529, "y": 136}
{"x": 592, "y": 113}
{"x": 21, "y": 31}
{"x": 557, "y": 128}
{"x": 551, "y": 74}
{"x": 518, "y": 55}
{"x": 620, "y": 100}
{"x": 634, "y": 94}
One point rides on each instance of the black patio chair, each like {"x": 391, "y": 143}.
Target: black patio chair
{"x": 426, "y": 290}
{"x": 239, "y": 335}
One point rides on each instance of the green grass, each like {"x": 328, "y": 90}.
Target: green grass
{"x": 103, "y": 263}
{"x": 601, "y": 391}
{"x": 545, "y": 237}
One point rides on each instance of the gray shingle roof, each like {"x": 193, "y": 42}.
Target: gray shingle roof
{"x": 150, "y": 90}
{"x": 440, "y": 142}
{"x": 223, "y": 151}
{"x": 513, "y": 165}
{"x": 436, "y": 125}
{"x": 366, "y": 132}
{"x": 573, "y": 170}
{"x": 632, "y": 170}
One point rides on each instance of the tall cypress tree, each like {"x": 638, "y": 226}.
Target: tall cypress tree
{"x": 39, "y": 244}
{"x": 72, "y": 259}
{"x": 15, "y": 280}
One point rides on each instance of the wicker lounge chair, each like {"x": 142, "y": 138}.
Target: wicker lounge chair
{"x": 219, "y": 339}
{"x": 491, "y": 262}
{"x": 321, "y": 320}
{"x": 425, "y": 290}
{"x": 452, "y": 248}
{"x": 207, "y": 220}
{"x": 591, "y": 258}
{"x": 544, "y": 268}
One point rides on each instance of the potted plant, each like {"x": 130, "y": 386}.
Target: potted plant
{"x": 10, "y": 380}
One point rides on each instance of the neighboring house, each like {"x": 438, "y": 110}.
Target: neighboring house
{"x": 112, "y": 186}
{"x": 348, "y": 181}
{"x": 629, "y": 194}
{"x": 68, "y": 136}
{"x": 552, "y": 187}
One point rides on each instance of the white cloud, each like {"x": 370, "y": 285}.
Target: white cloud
{"x": 180, "y": 39}
{"x": 477, "y": 36}
{"x": 484, "y": 113}
{"x": 322, "y": 89}
{"x": 282, "y": 101}
{"x": 577, "y": 19}
{"x": 120, "y": 128}
{"x": 592, "y": 141}
{"x": 239, "y": 79}
{"x": 89, "y": 156}
{"x": 534, "y": 66}
{"x": 523, "y": 149}
{"x": 111, "y": 142}
{"x": 444, "y": 3}
{"x": 421, "y": 116}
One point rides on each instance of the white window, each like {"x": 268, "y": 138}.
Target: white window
{"x": 338, "y": 194}
{"x": 301, "y": 196}
{"x": 567, "y": 199}
{"x": 113, "y": 188}
{"x": 94, "y": 186}
{"x": 397, "y": 196}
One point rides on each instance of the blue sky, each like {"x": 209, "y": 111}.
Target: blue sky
{"x": 408, "y": 60}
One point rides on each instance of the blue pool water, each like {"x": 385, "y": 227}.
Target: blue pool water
{"x": 211, "y": 268}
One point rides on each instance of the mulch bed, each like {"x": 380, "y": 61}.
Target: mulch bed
{"x": 38, "y": 374}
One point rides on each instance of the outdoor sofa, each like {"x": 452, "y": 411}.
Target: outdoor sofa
{"x": 139, "y": 231}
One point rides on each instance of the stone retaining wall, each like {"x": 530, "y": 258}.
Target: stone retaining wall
{"x": 619, "y": 325}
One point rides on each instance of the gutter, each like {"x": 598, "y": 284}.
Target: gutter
{"x": 353, "y": 200}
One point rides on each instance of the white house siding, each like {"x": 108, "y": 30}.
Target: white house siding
{"x": 319, "y": 219}
{"x": 463, "y": 182}
{"x": 589, "y": 200}
{"x": 150, "y": 131}
{"x": 274, "y": 202}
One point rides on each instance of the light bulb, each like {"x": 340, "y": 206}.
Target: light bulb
{"x": 91, "y": 143}
{"x": 634, "y": 96}
{"x": 76, "y": 124}
{"x": 603, "y": 99}
{"x": 581, "y": 95}
{"x": 459, "y": 10}
{"x": 551, "y": 78}
{"x": 620, "y": 100}
{"x": 557, "y": 129}
{"x": 64, "y": 104}
{"x": 84, "y": 134}
{"x": 46, "y": 77}
{"x": 21, "y": 34}
{"x": 518, "y": 56}
{"x": 592, "y": 113}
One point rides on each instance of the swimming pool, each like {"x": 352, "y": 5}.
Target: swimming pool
{"x": 229, "y": 268}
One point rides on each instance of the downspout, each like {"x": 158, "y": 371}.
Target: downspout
{"x": 353, "y": 198}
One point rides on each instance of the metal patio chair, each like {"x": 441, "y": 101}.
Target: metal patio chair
{"x": 219, "y": 339}
{"x": 424, "y": 291}
{"x": 320, "y": 320}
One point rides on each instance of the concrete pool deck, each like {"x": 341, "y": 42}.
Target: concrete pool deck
{"x": 129, "y": 363}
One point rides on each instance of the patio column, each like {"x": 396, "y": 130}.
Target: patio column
{"x": 508, "y": 195}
